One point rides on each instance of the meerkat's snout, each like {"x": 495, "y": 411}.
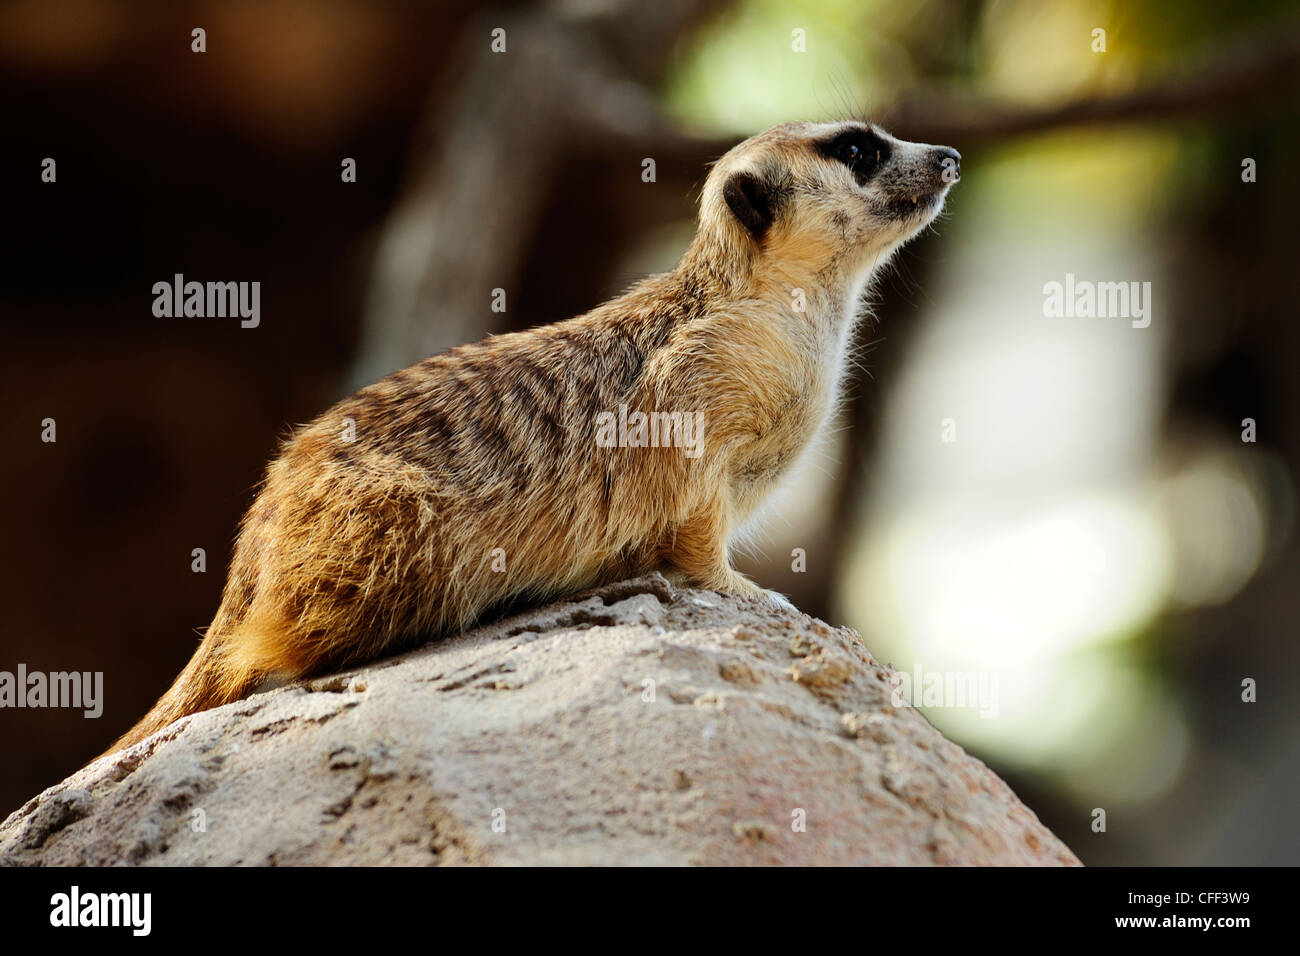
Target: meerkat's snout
{"x": 922, "y": 173}
{"x": 912, "y": 186}
{"x": 939, "y": 170}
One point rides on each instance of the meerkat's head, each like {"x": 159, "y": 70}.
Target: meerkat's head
{"x": 830, "y": 199}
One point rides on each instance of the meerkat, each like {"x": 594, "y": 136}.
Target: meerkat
{"x": 475, "y": 477}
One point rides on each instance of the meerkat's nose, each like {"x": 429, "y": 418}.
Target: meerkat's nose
{"x": 948, "y": 162}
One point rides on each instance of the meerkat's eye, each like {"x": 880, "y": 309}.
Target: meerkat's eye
{"x": 860, "y": 150}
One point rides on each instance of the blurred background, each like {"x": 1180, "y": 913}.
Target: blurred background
{"x": 1067, "y": 503}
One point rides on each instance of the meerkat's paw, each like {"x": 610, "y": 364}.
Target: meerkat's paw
{"x": 779, "y": 600}
{"x": 741, "y": 586}
{"x": 729, "y": 581}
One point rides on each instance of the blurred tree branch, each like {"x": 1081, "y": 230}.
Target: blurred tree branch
{"x": 1258, "y": 66}
{"x": 1255, "y": 67}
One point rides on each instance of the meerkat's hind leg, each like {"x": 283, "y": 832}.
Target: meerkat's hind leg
{"x": 267, "y": 651}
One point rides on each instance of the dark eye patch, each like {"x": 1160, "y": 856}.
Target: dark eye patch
{"x": 860, "y": 150}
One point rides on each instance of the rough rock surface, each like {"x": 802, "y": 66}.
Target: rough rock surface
{"x": 635, "y": 724}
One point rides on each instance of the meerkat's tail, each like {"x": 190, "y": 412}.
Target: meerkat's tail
{"x": 209, "y": 680}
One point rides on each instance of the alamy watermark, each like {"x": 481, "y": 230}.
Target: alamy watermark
{"x": 624, "y": 429}
{"x": 1086, "y": 299}
{"x": 951, "y": 689}
{"x": 130, "y": 910}
{"x": 209, "y": 300}
{"x": 76, "y": 689}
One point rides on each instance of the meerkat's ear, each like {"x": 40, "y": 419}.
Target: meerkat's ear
{"x": 752, "y": 201}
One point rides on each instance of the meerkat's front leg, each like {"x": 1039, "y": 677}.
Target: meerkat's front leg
{"x": 698, "y": 551}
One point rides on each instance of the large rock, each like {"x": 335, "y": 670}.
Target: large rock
{"x": 635, "y": 724}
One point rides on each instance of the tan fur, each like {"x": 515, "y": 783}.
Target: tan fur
{"x": 356, "y": 549}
